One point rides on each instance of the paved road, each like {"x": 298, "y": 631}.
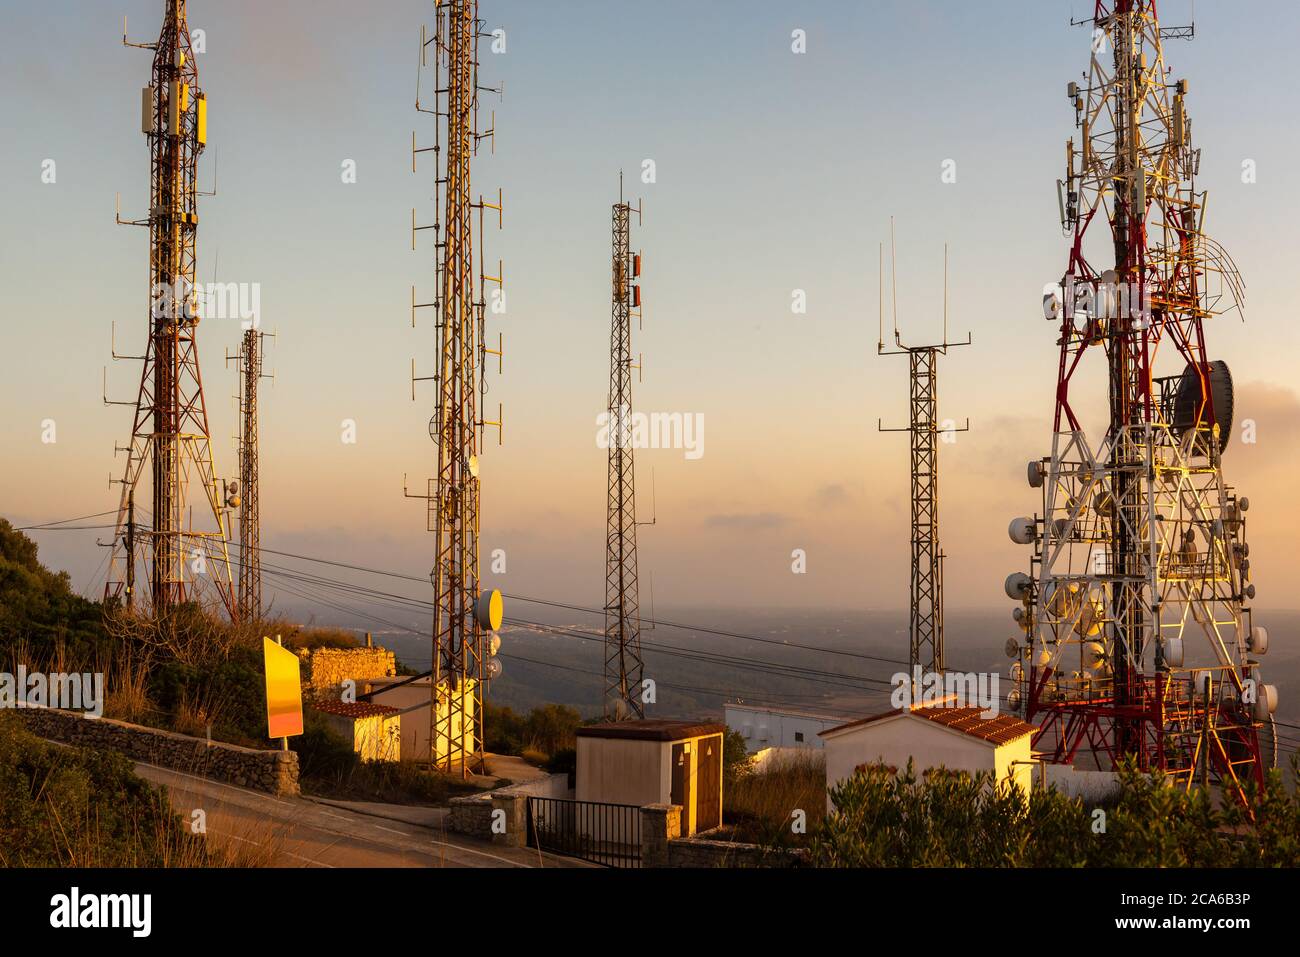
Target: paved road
{"x": 299, "y": 832}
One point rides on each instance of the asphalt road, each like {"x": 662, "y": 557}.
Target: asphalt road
{"x": 298, "y": 832}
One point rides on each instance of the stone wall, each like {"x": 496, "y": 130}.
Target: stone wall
{"x": 663, "y": 846}
{"x": 661, "y": 824}
{"x": 699, "y": 852}
{"x": 275, "y": 772}
{"x": 473, "y": 815}
{"x": 325, "y": 669}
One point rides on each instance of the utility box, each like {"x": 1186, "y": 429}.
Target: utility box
{"x": 654, "y": 762}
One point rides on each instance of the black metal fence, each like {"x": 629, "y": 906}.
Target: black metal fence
{"x": 606, "y": 834}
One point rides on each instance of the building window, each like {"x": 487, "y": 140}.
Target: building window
{"x": 798, "y": 736}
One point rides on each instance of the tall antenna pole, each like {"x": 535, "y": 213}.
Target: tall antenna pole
{"x": 1139, "y": 555}
{"x": 623, "y": 666}
{"x": 925, "y": 612}
{"x": 170, "y": 438}
{"x": 247, "y": 494}
{"x": 461, "y": 620}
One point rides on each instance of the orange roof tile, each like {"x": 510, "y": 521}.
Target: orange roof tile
{"x": 996, "y": 730}
{"x": 360, "y": 709}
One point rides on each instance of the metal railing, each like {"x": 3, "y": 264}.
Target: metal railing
{"x": 605, "y": 834}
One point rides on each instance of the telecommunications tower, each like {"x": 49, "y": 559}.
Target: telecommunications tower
{"x": 623, "y": 666}
{"x": 465, "y": 620}
{"x": 170, "y": 438}
{"x": 1139, "y": 644}
{"x": 248, "y": 365}
{"x": 925, "y": 618}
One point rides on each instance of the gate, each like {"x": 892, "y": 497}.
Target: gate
{"x": 605, "y": 834}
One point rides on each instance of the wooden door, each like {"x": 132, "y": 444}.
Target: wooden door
{"x": 708, "y": 808}
{"x": 681, "y": 789}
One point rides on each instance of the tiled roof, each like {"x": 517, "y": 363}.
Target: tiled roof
{"x": 360, "y": 709}
{"x": 996, "y": 730}
{"x": 999, "y": 729}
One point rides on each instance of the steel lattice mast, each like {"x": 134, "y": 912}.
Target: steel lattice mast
{"x": 170, "y": 438}
{"x": 925, "y": 610}
{"x": 1139, "y": 638}
{"x": 461, "y": 622}
{"x": 249, "y": 367}
{"x": 623, "y": 666}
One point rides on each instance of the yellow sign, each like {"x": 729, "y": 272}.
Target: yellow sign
{"x": 283, "y": 691}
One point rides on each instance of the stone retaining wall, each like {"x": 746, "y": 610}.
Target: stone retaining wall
{"x": 474, "y": 815}
{"x": 663, "y": 846}
{"x": 700, "y": 852}
{"x": 275, "y": 772}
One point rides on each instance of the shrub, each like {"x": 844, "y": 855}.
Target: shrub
{"x": 881, "y": 819}
{"x": 735, "y": 756}
{"x": 72, "y": 807}
{"x": 564, "y": 761}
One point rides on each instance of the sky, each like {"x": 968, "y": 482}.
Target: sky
{"x": 775, "y": 172}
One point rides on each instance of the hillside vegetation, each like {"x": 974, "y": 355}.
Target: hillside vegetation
{"x": 960, "y": 820}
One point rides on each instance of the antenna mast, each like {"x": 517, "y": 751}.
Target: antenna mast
{"x": 247, "y": 493}
{"x": 463, "y": 619}
{"x": 623, "y": 665}
{"x": 1139, "y": 643}
{"x": 170, "y": 438}
{"x": 925, "y": 618}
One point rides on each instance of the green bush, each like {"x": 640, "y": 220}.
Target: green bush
{"x": 547, "y": 729}
{"x": 230, "y": 695}
{"x": 39, "y": 606}
{"x": 323, "y": 754}
{"x": 72, "y": 807}
{"x": 564, "y": 761}
{"x": 735, "y": 756}
{"x": 960, "y": 820}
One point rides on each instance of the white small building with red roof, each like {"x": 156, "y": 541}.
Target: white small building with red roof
{"x": 933, "y": 736}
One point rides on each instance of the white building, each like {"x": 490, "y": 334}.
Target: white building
{"x": 959, "y": 739}
{"x": 411, "y": 701}
{"x": 652, "y": 762}
{"x": 764, "y": 728}
{"x": 374, "y": 730}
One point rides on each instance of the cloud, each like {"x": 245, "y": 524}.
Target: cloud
{"x": 830, "y": 496}
{"x": 751, "y": 522}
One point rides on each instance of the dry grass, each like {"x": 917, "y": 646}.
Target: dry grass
{"x": 759, "y": 806}
{"x": 390, "y": 782}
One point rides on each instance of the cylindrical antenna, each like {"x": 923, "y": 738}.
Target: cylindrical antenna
{"x": 880, "y": 282}
{"x": 945, "y": 294}
{"x": 893, "y": 273}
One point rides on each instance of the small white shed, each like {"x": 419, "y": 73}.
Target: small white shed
{"x": 654, "y": 762}
{"x": 374, "y": 730}
{"x": 959, "y": 739}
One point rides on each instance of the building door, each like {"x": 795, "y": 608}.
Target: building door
{"x": 681, "y": 791}
{"x": 708, "y": 808}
